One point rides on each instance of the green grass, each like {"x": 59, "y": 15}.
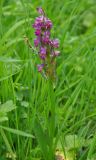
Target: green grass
{"x": 31, "y": 132}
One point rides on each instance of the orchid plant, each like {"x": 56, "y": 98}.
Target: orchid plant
{"x": 47, "y": 47}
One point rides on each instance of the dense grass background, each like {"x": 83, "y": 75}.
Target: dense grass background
{"x": 75, "y": 91}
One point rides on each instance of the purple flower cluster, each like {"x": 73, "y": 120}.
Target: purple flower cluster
{"x": 46, "y": 46}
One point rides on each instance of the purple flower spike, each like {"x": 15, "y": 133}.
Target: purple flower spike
{"x": 40, "y": 67}
{"x": 46, "y": 46}
{"x": 40, "y": 10}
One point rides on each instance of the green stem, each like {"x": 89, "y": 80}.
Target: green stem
{"x": 51, "y": 119}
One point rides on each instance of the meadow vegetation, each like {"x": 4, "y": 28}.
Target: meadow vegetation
{"x": 39, "y": 121}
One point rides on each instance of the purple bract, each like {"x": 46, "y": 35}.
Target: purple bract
{"x": 40, "y": 67}
{"x": 42, "y": 53}
{"x": 40, "y": 10}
